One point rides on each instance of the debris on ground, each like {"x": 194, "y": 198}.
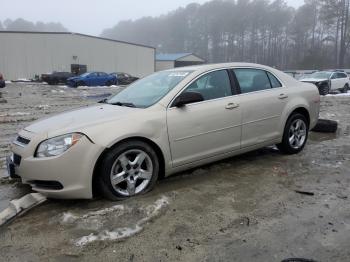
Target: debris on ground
{"x": 20, "y": 206}
{"x": 305, "y": 192}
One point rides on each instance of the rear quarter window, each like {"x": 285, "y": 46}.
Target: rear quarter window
{"x": 274, "y": 81}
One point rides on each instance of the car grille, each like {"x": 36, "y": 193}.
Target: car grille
{"x": 17, "y": 159}
{"x": 22, "y": 140}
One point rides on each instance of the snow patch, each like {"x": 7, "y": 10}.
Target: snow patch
{"x": 124, "y": 232}
{"x": 340, "y": 94}
{"x": 16, "y": 114}
{"x": 42, "y": 107}
{"x": 69, "y": 218}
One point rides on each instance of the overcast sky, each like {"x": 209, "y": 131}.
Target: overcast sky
{"x": 91, "y": 17}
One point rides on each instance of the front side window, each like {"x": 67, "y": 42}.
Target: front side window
{"x": 212, "y": 85}
{"x": 149, "y": 90}
{"x": 252, "y": 80}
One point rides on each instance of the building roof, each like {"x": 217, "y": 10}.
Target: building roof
{"x": 72, "y": 33}
{"x": 171, "y": 57}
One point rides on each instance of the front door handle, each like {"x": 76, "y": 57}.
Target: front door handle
{"x": 283, "y": 96}
{"x": 231, "y": 106}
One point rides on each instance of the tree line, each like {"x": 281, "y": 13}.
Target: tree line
{"x": 23, "y": 25}
{"x": 313, "y": 36}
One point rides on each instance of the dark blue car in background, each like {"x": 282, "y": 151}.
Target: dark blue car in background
{"x": 92, "y": 79}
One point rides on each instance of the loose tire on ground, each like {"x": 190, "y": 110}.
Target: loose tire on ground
{"x": 112, "y": 162}
{"x": 285, "y": 146}
{"x": 325, "y": 126}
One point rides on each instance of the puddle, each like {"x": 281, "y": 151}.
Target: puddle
{"x": 319, "y": 137}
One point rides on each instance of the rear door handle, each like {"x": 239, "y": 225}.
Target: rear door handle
{"x": 231, "y": 106}
{"x": 283, "y": 96}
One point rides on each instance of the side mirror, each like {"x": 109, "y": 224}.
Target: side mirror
{"x": 188, "y": 97}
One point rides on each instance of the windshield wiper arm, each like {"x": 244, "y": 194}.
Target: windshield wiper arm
{"x": 123, "y": 104}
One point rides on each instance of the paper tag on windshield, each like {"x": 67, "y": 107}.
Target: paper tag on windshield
{"x": 179, "y": 74}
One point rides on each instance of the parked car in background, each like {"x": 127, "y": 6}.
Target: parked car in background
{"x": 327, "y": 81}
{"x": 2, "y": 81}
{"x": 167, "y": 122}
{"x": 56, "y": 77}
{"x": 124, "y": 78}
{"x": 92, "y": 79}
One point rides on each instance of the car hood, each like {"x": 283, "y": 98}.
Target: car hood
{"x": 313, "y": 80}
{"x": 78, "y": 120}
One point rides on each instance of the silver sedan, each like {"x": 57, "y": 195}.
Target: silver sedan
{"x": 162, "y": 124}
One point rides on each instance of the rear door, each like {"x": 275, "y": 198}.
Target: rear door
{"x": 208, "y": 128}
{"x": 262, "y": 100}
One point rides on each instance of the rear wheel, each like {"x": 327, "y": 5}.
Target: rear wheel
{"x": 345, "y": 89}
{"x": 295, "y": 134}
{"x": 129, "y": 169}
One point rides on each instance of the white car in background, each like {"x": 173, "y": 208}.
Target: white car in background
{"x": 327, "y": 81}
{"x": 164, "y": 123}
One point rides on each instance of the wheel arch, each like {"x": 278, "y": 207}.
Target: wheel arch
{"x": 303, "y": 111}
{"x": 148, "y": 141}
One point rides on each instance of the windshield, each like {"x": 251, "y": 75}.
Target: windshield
{"x": 320, "y": 75}
{"x": 85, "y": 74}
{"x": 149, "y": 90}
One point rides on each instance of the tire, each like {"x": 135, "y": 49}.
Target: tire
{"x": 324, "y": 89}
{"x": 326, "y": 126}
{"x": 128, "y": 181}
{"x": 109, "y": 83}
{"x": 293, "y": 146}
{"x": 345, "y": 89}
{"x": 80, "y": 83}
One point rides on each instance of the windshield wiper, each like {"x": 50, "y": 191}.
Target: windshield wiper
{"x": 103, "y": 101}
{"x": 123, "y": 104}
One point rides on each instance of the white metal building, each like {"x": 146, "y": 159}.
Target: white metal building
{"x": 168, "y": 61}
{"x": 26, "y": 54}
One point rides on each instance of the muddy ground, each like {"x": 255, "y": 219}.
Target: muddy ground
{"x": 242, "y": 209}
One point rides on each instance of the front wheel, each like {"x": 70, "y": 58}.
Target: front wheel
{"x": 295, "y": 134}
{"x": 324, "y": 89}
{"x": 129, "y": 169}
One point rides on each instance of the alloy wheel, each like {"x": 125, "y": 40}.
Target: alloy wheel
{"x": 297, "y": 134}
{"x": 131, "y": 172}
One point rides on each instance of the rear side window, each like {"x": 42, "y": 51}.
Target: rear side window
{"x": 252, "y": 80}
{"x": 274, "y": 81}
{"x": 342, "y": 75}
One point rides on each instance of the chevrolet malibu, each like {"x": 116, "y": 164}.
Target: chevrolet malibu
{"x": 162, "y": 124}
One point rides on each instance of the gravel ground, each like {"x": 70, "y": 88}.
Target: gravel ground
{"x": 245, "y": 208}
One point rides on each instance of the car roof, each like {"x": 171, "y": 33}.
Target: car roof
{"x": 207, "y": 67}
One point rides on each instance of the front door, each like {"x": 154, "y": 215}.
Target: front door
{"x": 208, "y": 128}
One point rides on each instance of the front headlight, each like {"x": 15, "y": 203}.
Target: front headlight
{"x": 57, "y": 145}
